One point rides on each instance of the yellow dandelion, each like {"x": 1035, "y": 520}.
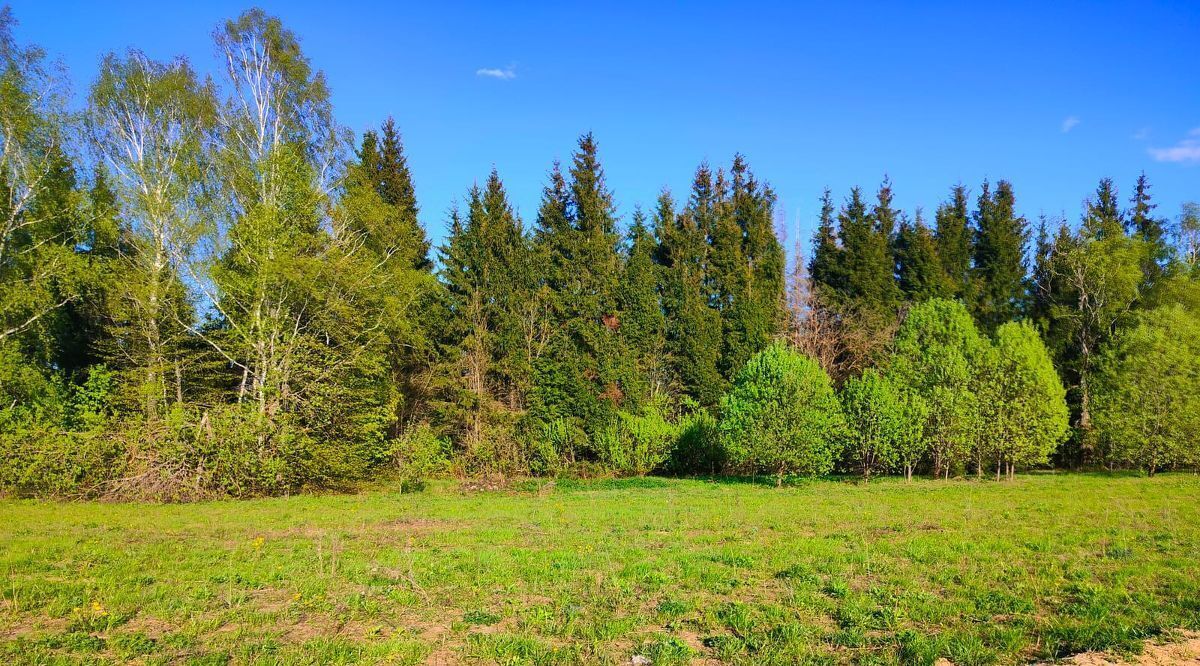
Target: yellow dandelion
{"x": 258, "y": 543}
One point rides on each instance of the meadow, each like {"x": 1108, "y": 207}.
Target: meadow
{"x": 670, "y": 571}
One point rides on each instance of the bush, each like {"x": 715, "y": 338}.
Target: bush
{"x": 697, "y": 448}
{"x": 53, "y": 440}
{"x": 420, "y": 454}
{"x": 781, "y": 416}
{"x": 636, "y": 444}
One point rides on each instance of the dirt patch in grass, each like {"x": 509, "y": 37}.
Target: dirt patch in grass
{"x": 25, "y": 626}
{"x": 1182, "y": 652}
{"x": 152, "y": 627}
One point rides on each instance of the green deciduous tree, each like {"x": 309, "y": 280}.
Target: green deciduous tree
{"x": 782, "y": 416}
{"x": 936, "y": 355}
{"x": 149, "y": 121}
{"x": 885, "y": 427}
{"x": 1023, "y": 407}
{"x": 41, "y": 216}
{"x": 1147, "y": 399}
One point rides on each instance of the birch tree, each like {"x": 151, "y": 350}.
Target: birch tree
{"x": 39, "y": 225}
{"x": 147, "y": 121}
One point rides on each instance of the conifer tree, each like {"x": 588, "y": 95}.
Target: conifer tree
{"x": 953, "y": 235}
{"x": 643, "y": 326}
{"x": 1103, "y": 218}
{"x": 869, "y": 266}
{"x": 383, "y": 163}
{"x": 577, "y": 231}
{"x": 1000, "y": 266}
{"x": 1142, "y": 224}
{"x": 490, "y": 275}
{"x": 826, "y": 268}
{"x": 918, "y": 267}
{"x": 693, "y": 328}
{"x": 748, "y": 265}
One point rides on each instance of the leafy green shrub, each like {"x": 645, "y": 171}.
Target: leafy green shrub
{"x": 781, "y": 416}
{"x": 38, "y": 461}
{"x": 636, "y": 444}
{"x": 548, "y": 446}
{"x": 697, "y": 447}
{"x": 421, "y": 454}
{"x": 52, "y": 433}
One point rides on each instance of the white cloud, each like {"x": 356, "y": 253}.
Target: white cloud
{"x": 504, "y": 74}
{"x": 1187, "y": 151}
{"x": 1069, "y": 123}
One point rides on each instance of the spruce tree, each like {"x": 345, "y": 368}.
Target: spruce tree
{"x": 643, "y": 326}
{"x": 396, "y": 189}
{"x": 746, "y": 267}
{"x": 826, "y": 269}
{"x": 1103, "y": 218}
{"x": 1000, "y": 266}
{"x": 693, "y": 328}
{"x": 582, "y": 372}
{"x": 917, "y": 263}
{"x": 953, "y": 235}
{"x": 1142, "y": 224}
{"x": 869, "y": 264}
{"x": 754, "y": 206}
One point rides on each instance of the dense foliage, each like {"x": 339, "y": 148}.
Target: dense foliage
{"x": 781, "y": 416}
{"x": 209, "y": 287}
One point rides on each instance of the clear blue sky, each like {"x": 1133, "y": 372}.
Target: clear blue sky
{"x": 1052, "y": 96}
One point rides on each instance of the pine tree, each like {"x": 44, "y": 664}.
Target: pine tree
{"x": 917, "y": 263}
{"x": 382, "y": 161}
{"x": 826, "y": 269}
{"x": 1103, "y": 218}
{"x": 693, "y": 328}
{"x": 643, "y": 326}
{"x": 1000, "y": 267}
{"x": 1142, "y": 224}
{"x": 953, "y": 236}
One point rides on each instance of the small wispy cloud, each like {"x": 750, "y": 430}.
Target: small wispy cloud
{"x": 1142, "y": 134}
{"x": 1187, "y": 151}
{"x": 1069, "y": 123}
{"x": 504, "y": 74}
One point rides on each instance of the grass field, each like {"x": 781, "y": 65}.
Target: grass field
{"x": 677, "y": 571}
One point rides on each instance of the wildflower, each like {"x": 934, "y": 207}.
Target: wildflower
{"x": 258, "y": 543}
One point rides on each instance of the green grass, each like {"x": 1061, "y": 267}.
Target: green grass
{"x": 677, "y": 571}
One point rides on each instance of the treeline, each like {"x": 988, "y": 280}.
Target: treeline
{"x": 208, "y": 286}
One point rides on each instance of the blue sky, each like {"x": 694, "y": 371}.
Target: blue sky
{"x": 1052, "y": 96}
